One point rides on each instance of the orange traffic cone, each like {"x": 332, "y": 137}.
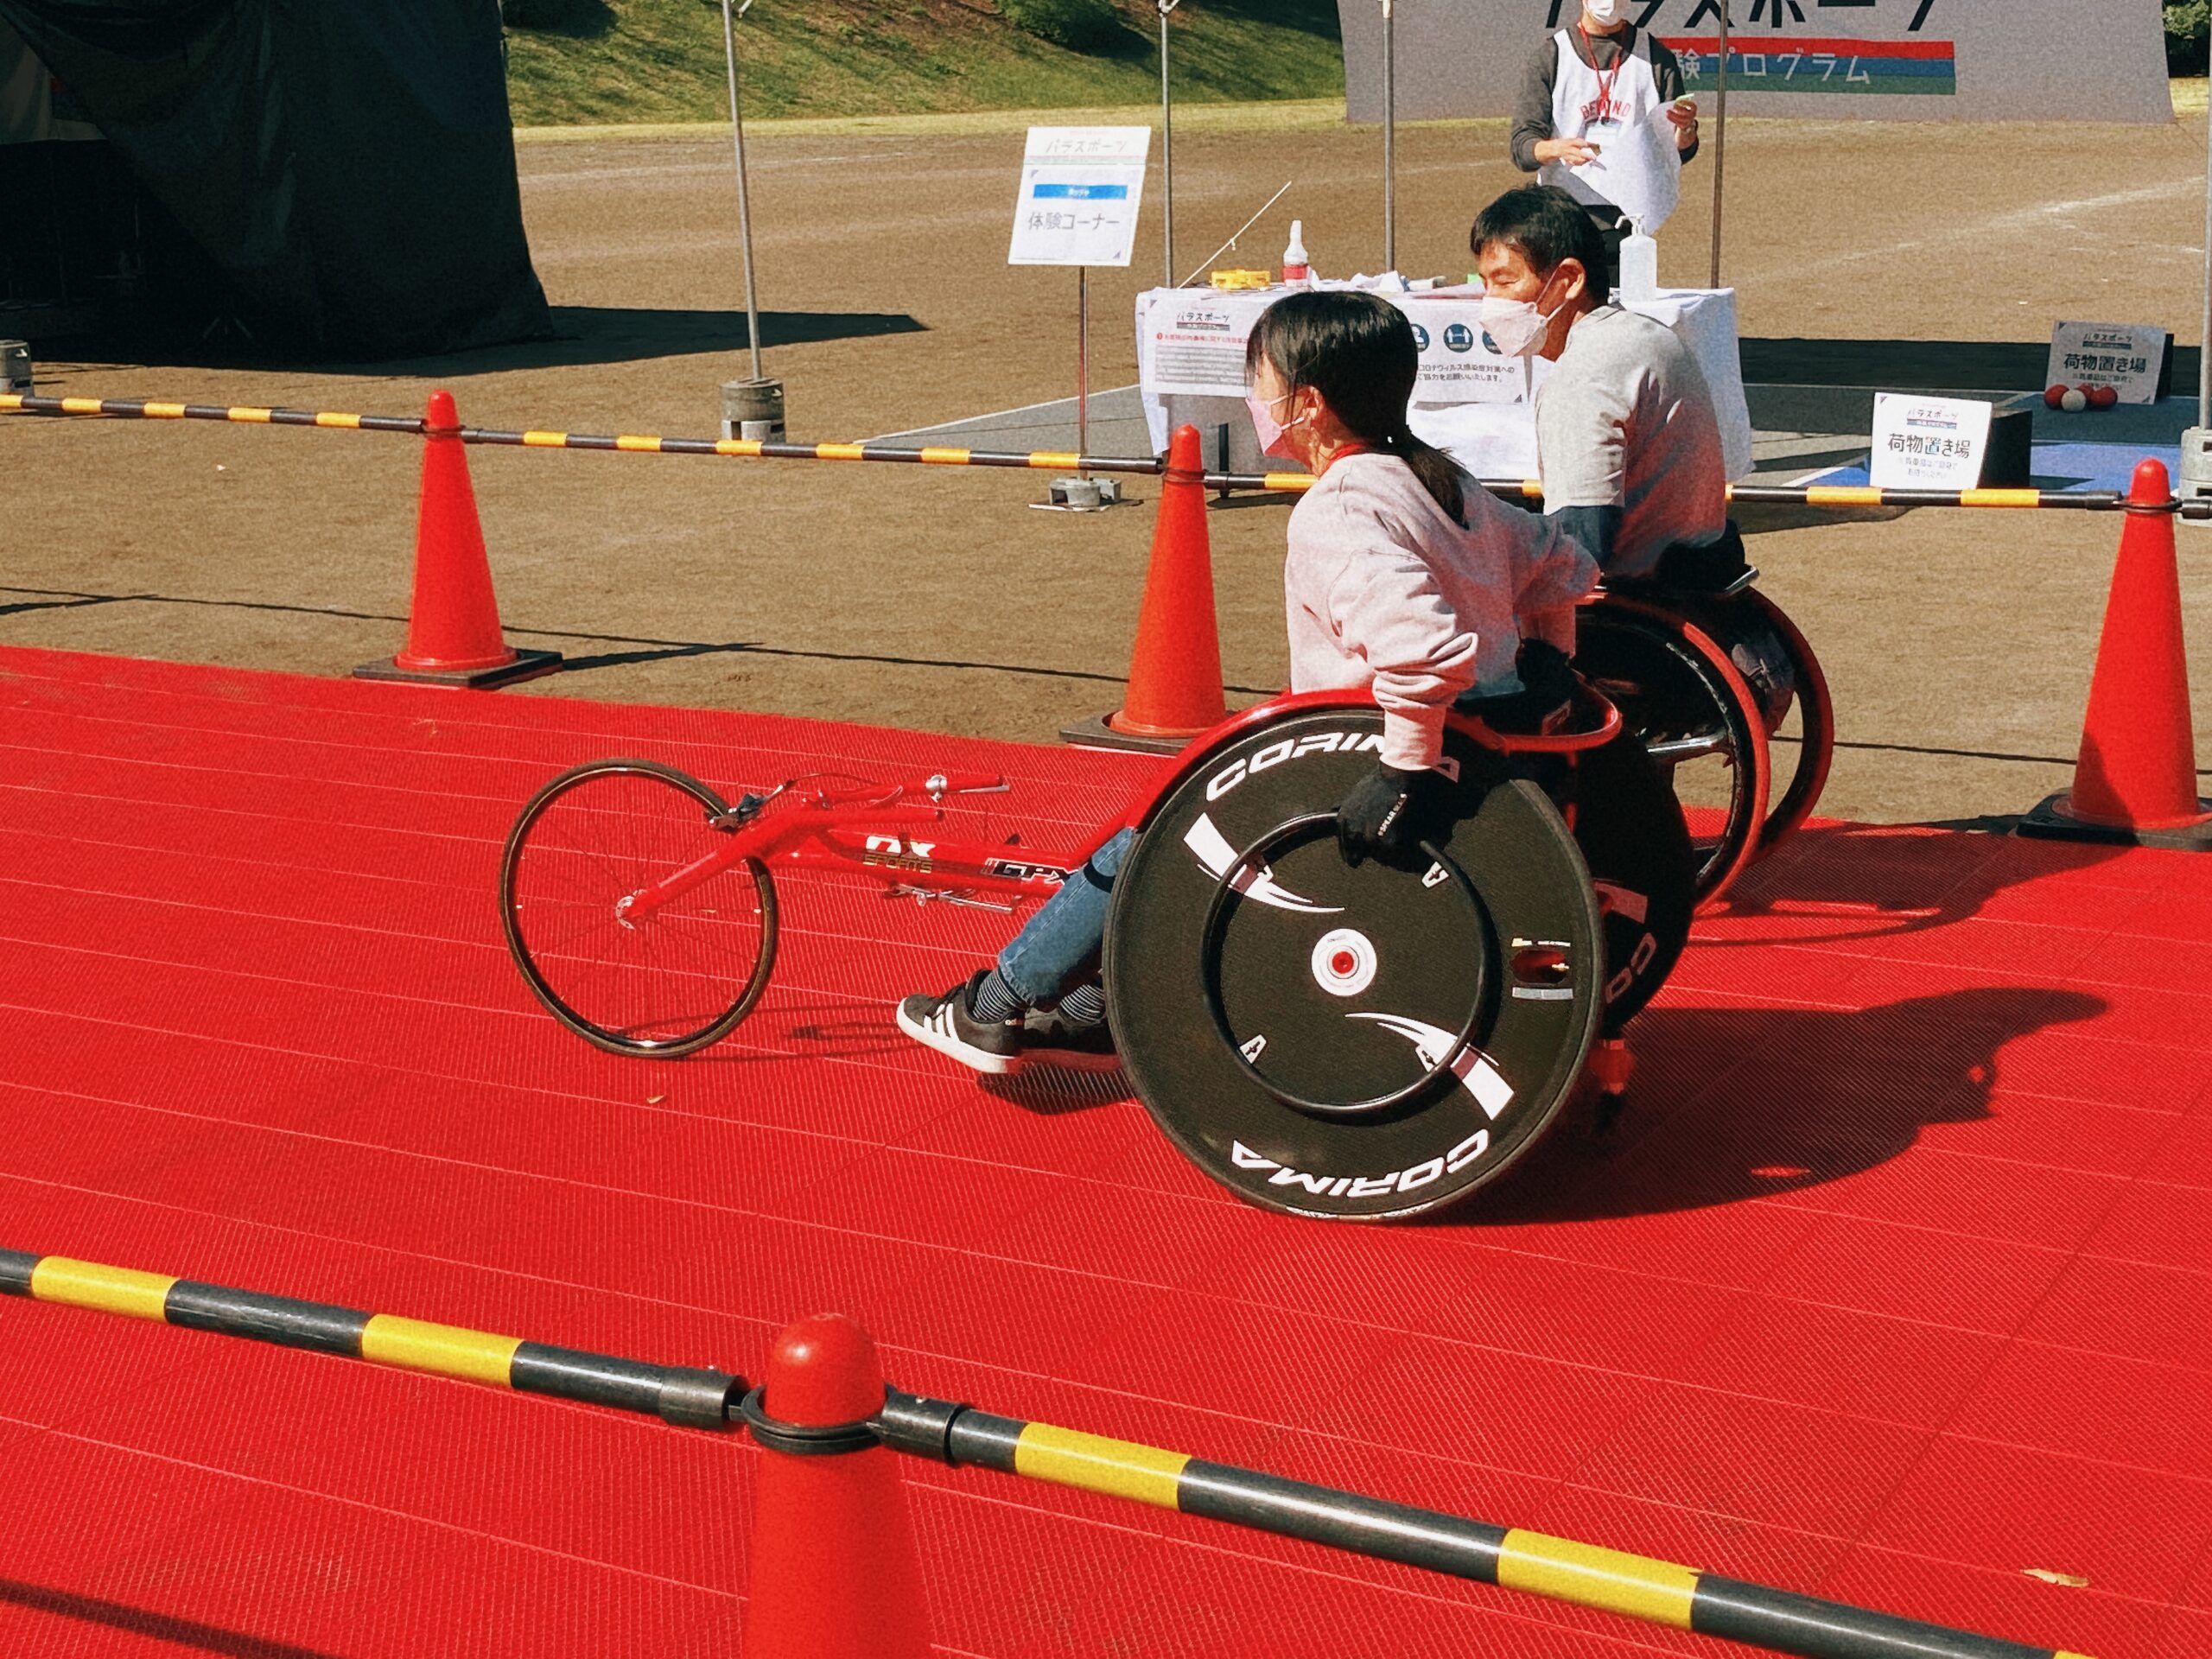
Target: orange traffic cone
{"x": 835, "y": 1574}
{"x": 1175, "y": 671}
{"x": 2135, "y": 779}
{"x": 453, "y": 626}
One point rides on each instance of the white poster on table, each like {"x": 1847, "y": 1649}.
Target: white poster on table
{"x": 1080, "y": 190}
{"x": 1928, "y": 443}
{"x": 1194, "y": 342}
{"x": 1460, "y": 363}
{"x": 2131, "y": 358}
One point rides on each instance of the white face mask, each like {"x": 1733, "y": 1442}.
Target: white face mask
{"x": 1516, "y": 326}
{"x": 1604, "y": 13}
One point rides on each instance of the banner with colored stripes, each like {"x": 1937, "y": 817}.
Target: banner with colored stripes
{"x": 1921, "y": 68}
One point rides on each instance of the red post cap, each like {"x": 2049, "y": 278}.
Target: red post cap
{"x": 824, "y": 1369}
{"x": 2150, "y": 487}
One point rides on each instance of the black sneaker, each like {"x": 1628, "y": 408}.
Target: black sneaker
{"x": 944, "y": 1024}
{"x": 1059, "y": 1041}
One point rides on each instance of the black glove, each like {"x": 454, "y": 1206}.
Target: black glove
{"x": 1377, "y": 819}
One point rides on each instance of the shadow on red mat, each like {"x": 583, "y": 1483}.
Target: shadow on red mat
{"x": 183, "y": 1633}
{"x": 1847, "y": 882}
{"x": 1780, "y": 1099}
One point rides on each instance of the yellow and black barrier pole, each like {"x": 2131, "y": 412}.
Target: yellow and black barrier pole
{"x": 1584, "y": 1575}
{"x": 1833, "y": 497}
{"x": 680, "y": 1395}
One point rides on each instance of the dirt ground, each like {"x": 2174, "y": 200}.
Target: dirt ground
{"x": 1959, "y": 646}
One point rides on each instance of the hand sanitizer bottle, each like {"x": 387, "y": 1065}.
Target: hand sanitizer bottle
{"x": 1296, "y": 272}
{"x": 1639, "y": 265}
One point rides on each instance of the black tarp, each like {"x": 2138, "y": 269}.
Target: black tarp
{"x": 347, "y": 165}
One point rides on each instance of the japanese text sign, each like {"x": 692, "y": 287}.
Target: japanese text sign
{"x": 2131, "y": 358}
{"x": 1080, "y": 190}
{"x": 1928, "y": 443}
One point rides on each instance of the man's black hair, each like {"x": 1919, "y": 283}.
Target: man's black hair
{"x": 1543, "y": 224}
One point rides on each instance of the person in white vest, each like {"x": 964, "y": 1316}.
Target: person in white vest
{"x": 1628, "y": 447}
{"x": 1602, "y": 115}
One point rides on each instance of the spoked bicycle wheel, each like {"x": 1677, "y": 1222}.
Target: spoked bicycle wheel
{"x": 1679, "y": 693}
{"x": 660, "y": 985}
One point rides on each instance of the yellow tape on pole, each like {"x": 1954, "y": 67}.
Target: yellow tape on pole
{"x": 110, "y": 1290}
{"x": 1066, "y": 1457}
{"x": 447, "y": 1350}
{"x": 1658, "y": 1592}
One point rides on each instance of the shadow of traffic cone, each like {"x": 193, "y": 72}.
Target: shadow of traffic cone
{"x": 2135, "y": 779}
{"x": 835, "y": 1574}
{"x": 453, "y": 626}
{"x": 1175, "y": 691}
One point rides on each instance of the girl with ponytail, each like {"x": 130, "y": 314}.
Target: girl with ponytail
{"x": 1404, "y": 576}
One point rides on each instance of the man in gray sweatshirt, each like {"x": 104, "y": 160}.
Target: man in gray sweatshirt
{"x": 1627, "y": 443}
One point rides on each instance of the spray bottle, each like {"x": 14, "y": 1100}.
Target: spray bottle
{"x": 1296, "y": 272}
{"x": 1639, "y": 264}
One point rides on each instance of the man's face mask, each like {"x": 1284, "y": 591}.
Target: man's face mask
{"x": 1603, "y": 13}
{"x": 1518, "y": 327}
{"x": 1269, "y": 429}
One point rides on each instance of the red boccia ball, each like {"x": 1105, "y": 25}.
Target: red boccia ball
{"x": 2054, "y": 395}
{"x": 2103, "y": 396}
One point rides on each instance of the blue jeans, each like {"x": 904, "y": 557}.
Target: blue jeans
{"x": 1060, "y": 946}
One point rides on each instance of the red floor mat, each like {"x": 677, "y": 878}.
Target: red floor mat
{"x": 1894, "y": 1285}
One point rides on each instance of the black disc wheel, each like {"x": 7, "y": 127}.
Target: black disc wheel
{"x": 1644, "y": 866}
{"x": 662, "y": 984}
{"x": 1773, "y": 638}
{"x": 1696, "y": 714}
{"x": 1350, "y": 1043}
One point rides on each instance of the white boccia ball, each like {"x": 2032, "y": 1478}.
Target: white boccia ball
{"x": 2074, "y": 402}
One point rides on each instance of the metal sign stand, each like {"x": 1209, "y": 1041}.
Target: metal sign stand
{"x": 754, "y": 408}
{"x": 1082, "y": 492}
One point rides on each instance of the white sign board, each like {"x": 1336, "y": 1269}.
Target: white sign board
{"x": 2131, "y": 358}
{"x": 1080, "y": 190}
{"x": 1928, "y": 443}
{"x": 1194, "y": 342}
{"x": 1459, "y": 363}
{"x": 1848, "y": 60}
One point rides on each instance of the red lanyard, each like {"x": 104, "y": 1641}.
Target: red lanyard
{"x": 1604, "y": 81}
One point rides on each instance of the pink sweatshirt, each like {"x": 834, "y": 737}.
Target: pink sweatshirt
{"x": 1384, "y": 591}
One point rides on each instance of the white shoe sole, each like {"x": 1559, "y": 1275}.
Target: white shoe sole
{"x": 937, "y": 1032}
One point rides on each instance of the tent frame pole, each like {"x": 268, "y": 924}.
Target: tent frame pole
{"x": 743, "y": 206}
{"x": 1719, "y": 142}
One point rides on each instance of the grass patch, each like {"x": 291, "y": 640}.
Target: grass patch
{"x": 623, "y": 61}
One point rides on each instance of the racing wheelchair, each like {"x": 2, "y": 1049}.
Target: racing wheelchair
{"x": 1352, "y": 1043}
{"x": 1706, "y": 670}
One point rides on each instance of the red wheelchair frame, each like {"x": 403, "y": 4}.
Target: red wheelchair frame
{"x": 618, "y": 880}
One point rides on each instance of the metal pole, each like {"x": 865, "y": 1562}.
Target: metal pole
{"x": 1390, "y": 136}
{"x": 1082, "y": 365}
{"x": 744, "y": 207}
{"x": 2204, "y": 339}
{"x": 1719, "y": 142}
{"x": 1166, "y": 152}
